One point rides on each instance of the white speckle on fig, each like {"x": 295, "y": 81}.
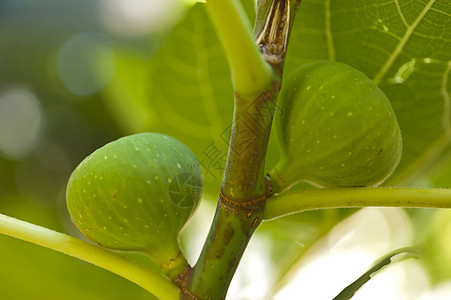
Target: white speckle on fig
{"x": 332, "y": 121}
{"x": 130, "y": 197}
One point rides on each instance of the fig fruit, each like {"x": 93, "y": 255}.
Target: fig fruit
{"x": 136, "y": 194}
{"x": 337, "y": 129}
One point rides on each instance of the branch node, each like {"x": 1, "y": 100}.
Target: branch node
{"x": 249, "y": 204}
{"x": 273, "y": 38}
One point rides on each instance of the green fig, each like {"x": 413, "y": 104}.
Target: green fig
{"x": 337, "y": 129}
{"x": 136, "y": 194}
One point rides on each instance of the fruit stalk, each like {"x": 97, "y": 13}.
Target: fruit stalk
{"x": 326, "y": 198}
{"x": 244, "y": 188}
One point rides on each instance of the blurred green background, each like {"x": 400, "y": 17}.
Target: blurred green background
{"x": 75, "y": 75}
{"x": 57, "y": 73}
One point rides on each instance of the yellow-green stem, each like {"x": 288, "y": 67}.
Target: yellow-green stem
{"x": 148, "y": 279}
{"x": 304, "y": 200}
{"x": 250, "y": 73}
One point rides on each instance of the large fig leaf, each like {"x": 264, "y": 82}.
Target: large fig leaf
{"x": 185, "y": 91}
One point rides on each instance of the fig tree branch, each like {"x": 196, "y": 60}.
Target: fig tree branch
{"x": 244, "y": 187}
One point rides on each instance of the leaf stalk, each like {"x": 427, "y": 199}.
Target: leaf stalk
{"x": 250, "y": 73}
{"x": 325, "y": 198}
{"x": 148, "y": 279}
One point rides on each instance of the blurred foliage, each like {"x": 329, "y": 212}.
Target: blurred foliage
{"x": 32, "y": 186}
{"x": 174, "y": 79}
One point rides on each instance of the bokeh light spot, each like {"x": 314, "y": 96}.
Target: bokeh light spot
{"x": 137, "y": 17}
{"x": 86, "y": 63}
{"x": 21, "y": 123}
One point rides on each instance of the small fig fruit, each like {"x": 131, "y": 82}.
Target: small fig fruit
{"x": 337, "y": 129}
{"x": 136, "y": 194}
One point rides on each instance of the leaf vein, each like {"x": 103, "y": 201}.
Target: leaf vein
{"x": 446, "y": 99}
{"x": 401, "y": 14}
{"x": 441, "y": 11}
{"x": 410, "y": 30}
{"x": 329, "y": 38}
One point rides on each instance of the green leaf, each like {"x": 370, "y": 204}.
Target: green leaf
{"x": 405, "y": 47}
{"x": 185, "y": 91}
{"x": 191, "y": 92}
{"x": 400, "y": 254}
{"x": 127, "y": 97}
